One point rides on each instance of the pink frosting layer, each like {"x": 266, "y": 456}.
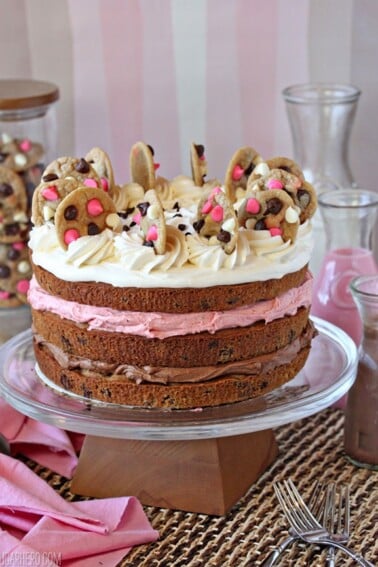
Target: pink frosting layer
{"x": 162, "y": 325}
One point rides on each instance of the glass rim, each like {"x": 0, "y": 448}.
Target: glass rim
{"x": 336, "y": 93}
{"x": 356, "y": 282}
{"x": 331, "y": 199}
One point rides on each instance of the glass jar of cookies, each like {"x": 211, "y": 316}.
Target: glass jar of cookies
{"x": 28, "y": 136}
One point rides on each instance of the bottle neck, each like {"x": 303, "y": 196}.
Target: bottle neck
{"x": 349, "y": 219}
{"x": 321, "y": 119}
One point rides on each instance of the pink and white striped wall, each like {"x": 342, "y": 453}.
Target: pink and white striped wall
{"x": 174, "y": 71}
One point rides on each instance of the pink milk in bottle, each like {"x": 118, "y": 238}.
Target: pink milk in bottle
{"x": 332, "y": 299}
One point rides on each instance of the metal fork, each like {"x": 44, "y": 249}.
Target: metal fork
{"x": 336, "y": 516}
{"x": 316, "y": 504}
{"x": 305, "y": 524}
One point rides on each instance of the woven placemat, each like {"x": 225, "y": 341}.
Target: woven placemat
{"x": 310, "y": 449}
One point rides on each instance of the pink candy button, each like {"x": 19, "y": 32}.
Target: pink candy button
{"x": 274, "y": 184}
{"x": 90, "y": 182}
{"x": 152, "y": 233}
{"x": 137, "y": 218}
{"x": 215, "y": 191}
{"x": 94, "y": 207}
{"x": 4, "y": 295}
{"x": 50, "y": 193}
{"x": 18, "y": 245}
{"x": 23, "y": 286}
{"x": 237, "y": 173}
{"x": 25, "y": 145}
{"x": 207, "y": 207}
{"x": 71, "y": 235}
{"x": 104, "y": 184}
{"x": 253, "y": 206}
{"x": 275, "y": 231}
{"x": 217, "y": 213}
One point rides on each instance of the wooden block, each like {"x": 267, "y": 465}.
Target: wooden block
{"x": 204, "y": 475}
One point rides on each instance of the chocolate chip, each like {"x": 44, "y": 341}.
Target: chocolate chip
{"x": 4, "y": 271}
{"x": 249, "y": 169}
{"x": 273, "y": 206}
{"x": 181, "y": 227}
{"x": 49, "y": 177}
{"x": 12, "y": 229}
{"x": 148, "y": 243}
{"x": 13, "y": 254}
{"x": 151, "y": 149}
{"x": 125, "y": 228}
{"x": 177, "y": 215}
{"x": 224, "y": 236}
{"x": 82, "y": 166}
{"x": 143, "y": 208}
{"x": 70, "y": 212}
{"x": 200, "y": 149}
{"x": 304, "y": 198}
{"x": 87, "y": 393}
{"x": 176, "y": 206}
{"x": 3, "y": 156}
{"x": 93, "y": 229}
{"x": 197, "y": 225}
{"x": 65, "y": 381}
{"x": 5, "y": 190}
{"x": 260, "y": 225}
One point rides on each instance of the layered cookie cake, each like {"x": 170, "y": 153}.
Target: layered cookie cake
{"x": 179, "y": 293}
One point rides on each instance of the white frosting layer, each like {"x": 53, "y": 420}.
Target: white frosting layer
{"x": 123, "y": 261}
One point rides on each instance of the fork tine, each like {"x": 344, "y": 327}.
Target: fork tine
{"x": 298, "y": 501}
{"x": 329, "y": 508}
{"x": 317, "y": 501}
{"x": 346, "y": 509}
{"x": 286, "y": 506}
{"x": 295, "y": 509}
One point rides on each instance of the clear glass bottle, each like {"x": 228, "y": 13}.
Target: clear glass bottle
{"x": 361, "y": 414}
{"x": 28, "y": 138}
{"x": 350, "y": 218}
{"x": 321, "y": 116}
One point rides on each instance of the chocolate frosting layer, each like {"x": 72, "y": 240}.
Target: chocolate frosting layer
{"x": 171, "y": 375}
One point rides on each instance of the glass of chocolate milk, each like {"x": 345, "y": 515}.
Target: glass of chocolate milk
{"x": 361, "y": 414}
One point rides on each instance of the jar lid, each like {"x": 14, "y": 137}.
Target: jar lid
{"x": 26, "y": 93}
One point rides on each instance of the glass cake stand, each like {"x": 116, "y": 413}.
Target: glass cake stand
{"x": 200, "y": 460}
{"x": 328, "y": 374}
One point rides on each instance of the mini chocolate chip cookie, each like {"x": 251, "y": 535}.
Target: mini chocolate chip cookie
{"x": 302, "y": 193}
{"x": 15, "y": 274}
{"x": 198, "y": 163}
{"x": 216, "y": 218}
{"x": 239, "y": 169}
{"x": 150, "y": 218}
{"x": 72, "y": 168}
{"x": 48, "y": 196}
{"x": 286, "y": 164}
{"x": 14, "y": 222}
{"x": 101, "y": 163}
{"x": 86, "y": 211}
{"x": 272, "y": 210}
{"x": 19, "y": 154}
{"x": 142, "y": 165}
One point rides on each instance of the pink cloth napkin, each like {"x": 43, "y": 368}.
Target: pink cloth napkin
{"x": 39, "y": 526}
{"x": 45, "y": 444}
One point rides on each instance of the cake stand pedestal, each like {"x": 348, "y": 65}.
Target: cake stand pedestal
{"x": 199, "y": 460}
{"x": 201, "y": 475}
